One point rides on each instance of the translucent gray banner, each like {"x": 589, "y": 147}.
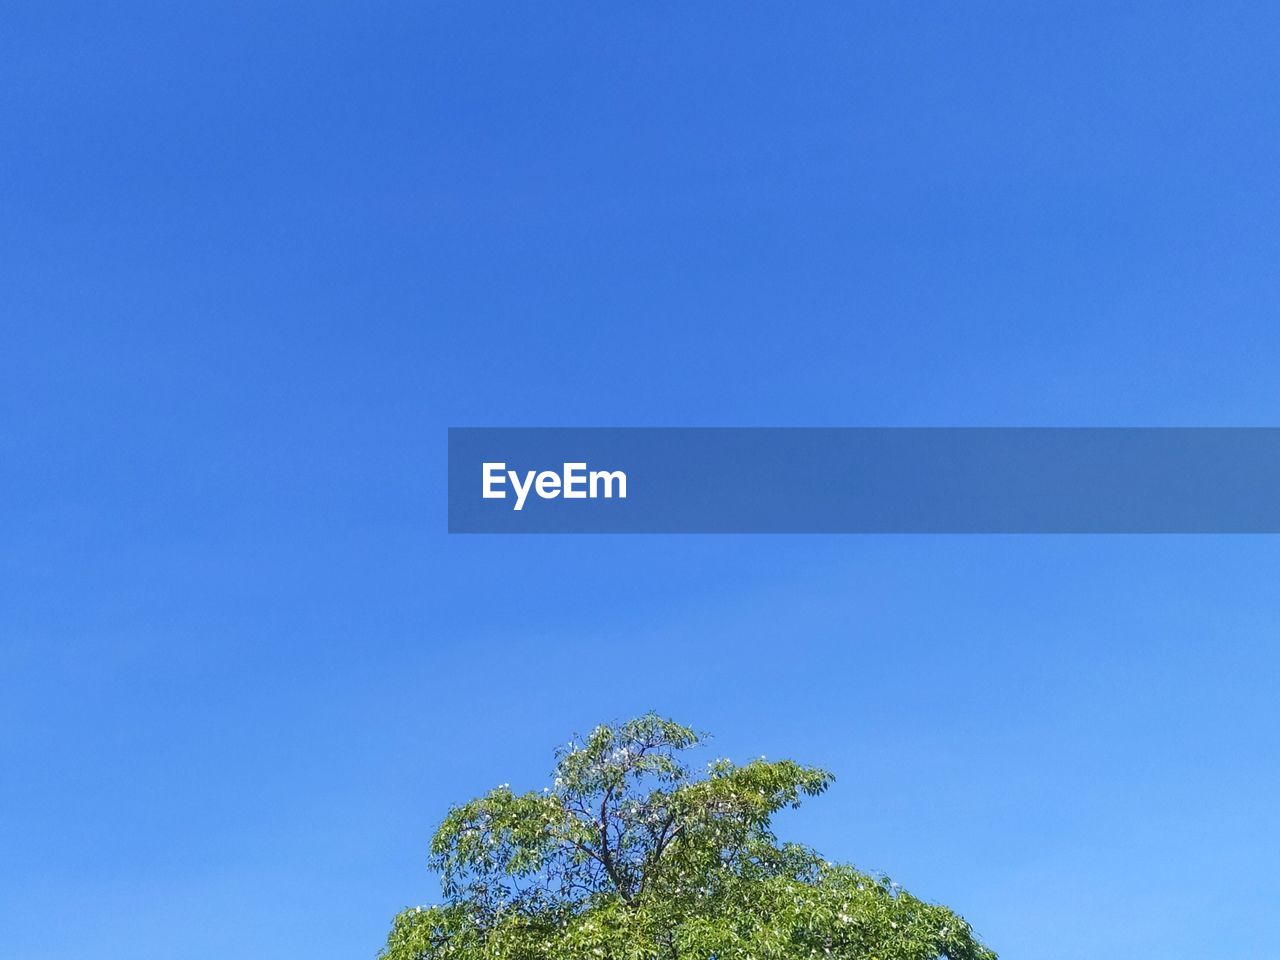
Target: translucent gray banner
{"x": 864, "y": 480}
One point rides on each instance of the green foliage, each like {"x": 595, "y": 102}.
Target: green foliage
{"x": 628, "y": 856}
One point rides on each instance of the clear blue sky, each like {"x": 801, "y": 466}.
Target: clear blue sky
{"x": 255, "y": 261}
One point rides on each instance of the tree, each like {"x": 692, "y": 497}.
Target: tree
{"x": 628, "y": 856}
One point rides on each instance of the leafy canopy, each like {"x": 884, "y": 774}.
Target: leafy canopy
{"x": 629, "y": 856}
